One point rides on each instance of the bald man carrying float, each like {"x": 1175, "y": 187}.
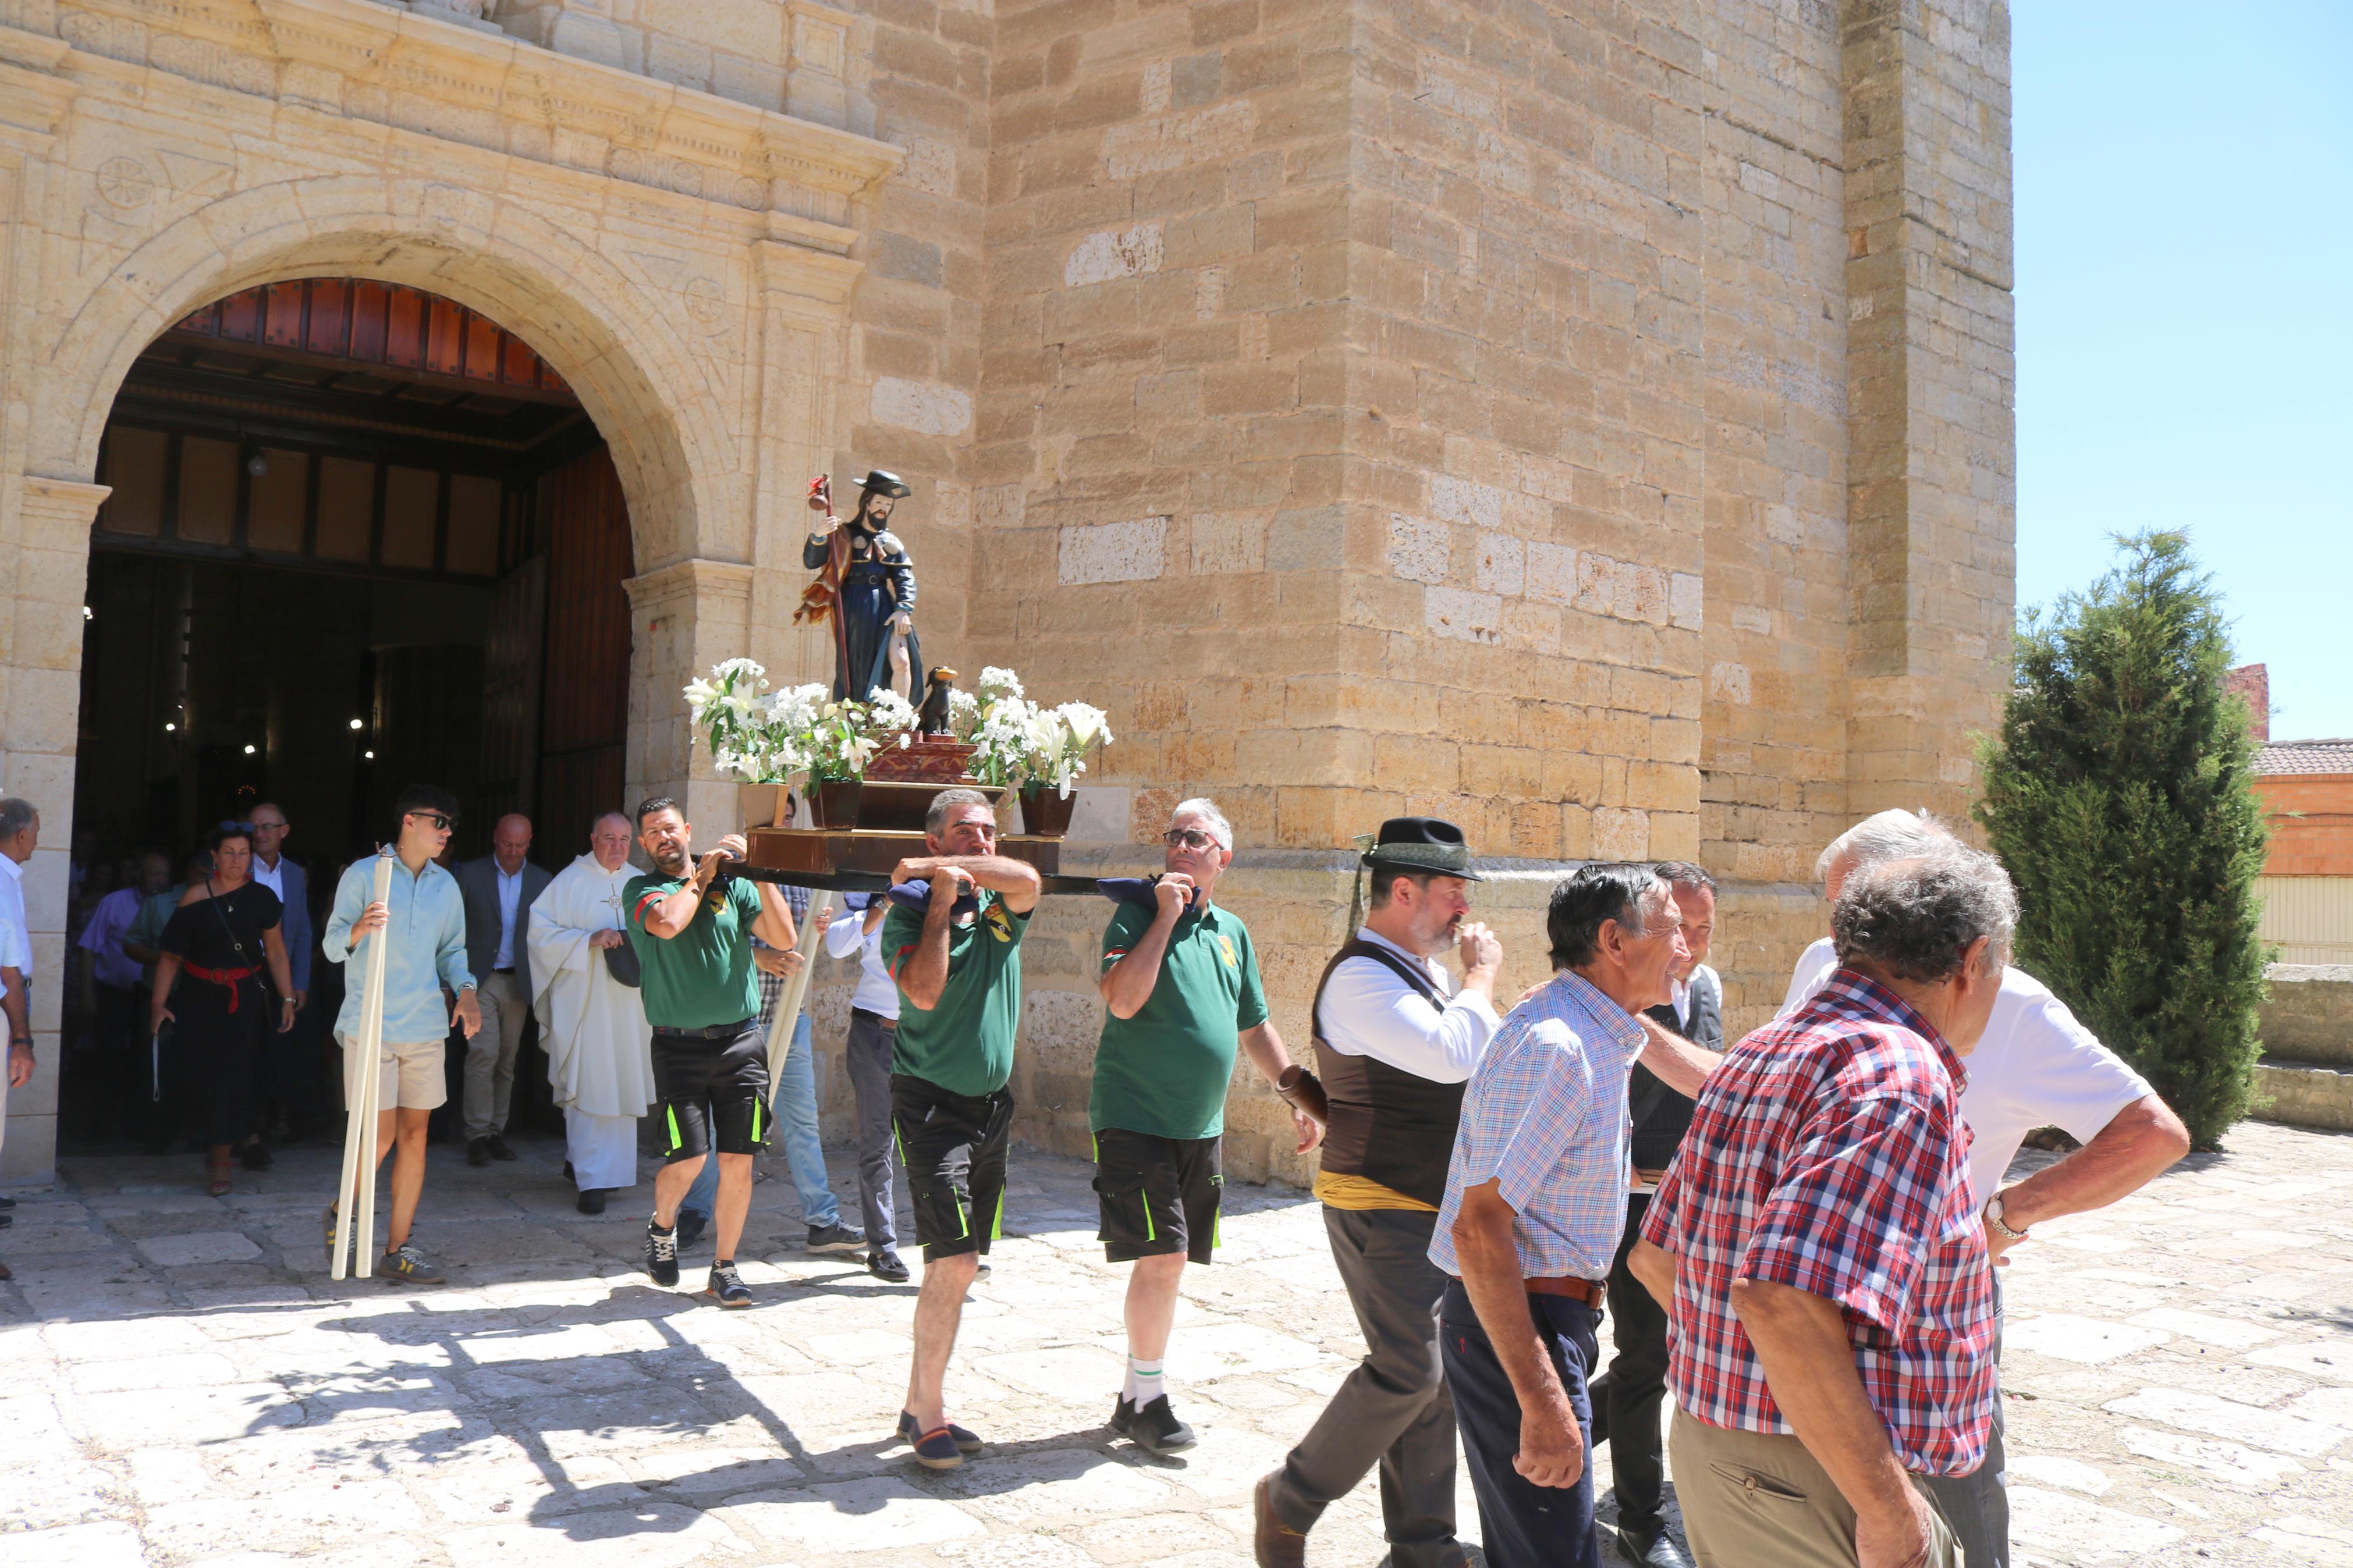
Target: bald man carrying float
{"x": 499, "y": 889}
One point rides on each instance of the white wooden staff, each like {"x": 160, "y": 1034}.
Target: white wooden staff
{"x": 789, "y": 1000}
{"x": 363, "y": 1078}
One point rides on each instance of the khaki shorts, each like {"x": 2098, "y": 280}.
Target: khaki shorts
{"x": 413, "y": 1076}
{"x": 1755, "y": 1500}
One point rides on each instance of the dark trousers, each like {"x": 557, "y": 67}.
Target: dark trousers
{"x": 868, "y": 1057}
{"x": 1393, "y": 1409}
{"x": 1628, "y": 1397}
{"x": 1521, "y": 1524}
{"x": 1978, "y": 1505}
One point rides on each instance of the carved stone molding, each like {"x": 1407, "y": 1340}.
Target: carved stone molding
{"x": 473, "y": 85}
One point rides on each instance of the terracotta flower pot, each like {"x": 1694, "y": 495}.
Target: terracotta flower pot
{"x": 833, "y": 803}
{"x": 1045, "y": 811}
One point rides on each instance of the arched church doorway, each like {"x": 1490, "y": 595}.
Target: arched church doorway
{"x": 359, "y": 536}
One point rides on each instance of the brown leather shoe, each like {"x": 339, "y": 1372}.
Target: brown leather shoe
{"x": 4, "y": 1272}
{"x": 1277, "y": 1545}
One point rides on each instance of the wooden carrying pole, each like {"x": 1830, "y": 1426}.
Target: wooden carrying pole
{"x": 363, "y": 1078}
{"x": 789, "y": 1000}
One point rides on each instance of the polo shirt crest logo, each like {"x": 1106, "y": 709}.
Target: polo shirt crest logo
{"x": 1225, "y": 945}
{"x": 999, "y": 927}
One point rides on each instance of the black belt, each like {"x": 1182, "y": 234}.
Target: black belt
{"x": 508, "y": 970}
{"x": 715, "y": 1032}
{"x": 877, "y": 1019}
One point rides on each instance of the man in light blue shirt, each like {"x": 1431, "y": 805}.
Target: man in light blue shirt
{"x": 425, "y": 919}
{"x": 1535, "y": 1198}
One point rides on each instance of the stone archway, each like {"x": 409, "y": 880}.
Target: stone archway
{"x": 634, "y": 372}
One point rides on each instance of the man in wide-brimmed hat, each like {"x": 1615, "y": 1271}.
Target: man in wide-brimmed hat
{"x": 872, "y": 592}
{"x": 1396, "y": 1038}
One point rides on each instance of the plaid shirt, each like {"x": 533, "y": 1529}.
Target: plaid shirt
{"x": 1544, "y": 1117}
{"x": 1828, "y": 1154}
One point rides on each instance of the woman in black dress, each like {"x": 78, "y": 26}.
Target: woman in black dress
{"x": 218, "y": 944}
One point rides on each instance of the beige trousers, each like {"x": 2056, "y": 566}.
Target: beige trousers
{"x": 1751, "y": 1499}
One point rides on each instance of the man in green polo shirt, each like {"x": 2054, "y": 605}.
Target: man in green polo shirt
{"x": 959, "y": 975}
{"x": 1181, "y": 990}
{"x": 691, "y": 930}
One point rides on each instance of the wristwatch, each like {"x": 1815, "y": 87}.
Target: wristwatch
{"x": 1993, "y": 1212}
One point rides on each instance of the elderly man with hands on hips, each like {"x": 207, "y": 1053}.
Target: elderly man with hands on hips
{"x": 2036, "y": 1067}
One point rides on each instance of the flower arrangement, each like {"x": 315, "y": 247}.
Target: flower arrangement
{"x": 1016, "y": 741}
{"x": 773, "y": 737}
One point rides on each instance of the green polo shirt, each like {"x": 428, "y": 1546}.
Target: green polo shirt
{"x": 965, "y": 1044}
{"x": 1165, "y": 1071}
{"x": 702, "y": 977}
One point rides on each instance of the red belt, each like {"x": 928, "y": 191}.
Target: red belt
{"x": 226, "y": 979}
{"x": 1592, "y": 1292}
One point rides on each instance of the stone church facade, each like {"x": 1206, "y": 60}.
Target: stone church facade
{"x": 1592, "y": 423}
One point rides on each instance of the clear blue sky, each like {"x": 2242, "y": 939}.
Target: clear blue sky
{"x": 2185, "y": 314}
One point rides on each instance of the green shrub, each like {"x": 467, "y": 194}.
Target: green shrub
{"x": 2117, "y": 795}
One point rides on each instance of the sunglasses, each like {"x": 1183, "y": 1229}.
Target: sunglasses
{"x": 1190, "y": 837}
{"x": 227, "y": 827}
{"x": 436, "y": 818}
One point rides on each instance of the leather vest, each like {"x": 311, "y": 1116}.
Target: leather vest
{"x": 1387, "y": 1125}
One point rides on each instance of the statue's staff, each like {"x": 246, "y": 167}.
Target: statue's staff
{"x": 363, "y": 1089}
{"x": 822, "y": 600}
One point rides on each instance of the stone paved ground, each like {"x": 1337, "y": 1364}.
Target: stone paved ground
{"x": 179, "y": 1383}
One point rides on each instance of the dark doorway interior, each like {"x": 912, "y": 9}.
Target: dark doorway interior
{"x": 359, "y": 537}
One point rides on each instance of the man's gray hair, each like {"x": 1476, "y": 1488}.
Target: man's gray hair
{"x": 1883, "y": 836}
{"x": 16, "y": 814}
{"x": 1916, "y": 917}
{"x": 1204, "y": 808}
{"x": 935, "y": 820}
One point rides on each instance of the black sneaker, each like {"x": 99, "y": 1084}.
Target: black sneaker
{"x": 885, "y": 1266}
{"x": 690, "y": 1227}
{"x": 835, "y": 1238}
{"x": 478, "y": 1150}
{"x": 727, "y": 1285}
{"x": 1152, "y": 1428}
{"x": 499, "y": 1150}
{"x": 591, "y": 1201}
{"x": 662, "y": 1255}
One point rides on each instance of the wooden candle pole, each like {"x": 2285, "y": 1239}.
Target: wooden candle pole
{"x": 355, "y": 1200}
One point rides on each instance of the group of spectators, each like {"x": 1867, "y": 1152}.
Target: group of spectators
{"x": 1796, "y": 1236}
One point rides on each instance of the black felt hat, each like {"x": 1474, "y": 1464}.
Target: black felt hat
{"x": 1423, "y": 844}
{"x": 889, "y": 483}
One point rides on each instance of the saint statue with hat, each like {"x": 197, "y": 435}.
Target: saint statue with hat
{"x": 867, "y": 585}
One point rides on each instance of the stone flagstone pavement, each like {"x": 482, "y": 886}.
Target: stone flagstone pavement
{"x": 181, "y": 1384}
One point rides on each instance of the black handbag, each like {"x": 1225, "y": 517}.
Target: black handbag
{"x": 621, "y": 963}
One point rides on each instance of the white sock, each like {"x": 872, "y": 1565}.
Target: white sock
{"x": 1141, "y": 1385}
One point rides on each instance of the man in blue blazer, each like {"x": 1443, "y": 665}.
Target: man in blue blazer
{"x": 499, "y": 890}
{"x": 290, "y": 1075}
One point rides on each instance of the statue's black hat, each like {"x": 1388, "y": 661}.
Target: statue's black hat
{"x": 889, "y": 483}
{"x": 1421, "y": 844}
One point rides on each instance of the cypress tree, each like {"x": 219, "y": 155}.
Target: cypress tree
{"x": 2118, "y": 795}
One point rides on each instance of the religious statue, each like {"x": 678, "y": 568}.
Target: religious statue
{"x": 867, "y": 585}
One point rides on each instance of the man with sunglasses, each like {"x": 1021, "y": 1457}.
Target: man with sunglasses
{"x": 1180, "y": 985}
{"x": 425, "y": 918}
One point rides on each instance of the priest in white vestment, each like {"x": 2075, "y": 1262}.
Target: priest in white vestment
{"x": 600, "y": 1047}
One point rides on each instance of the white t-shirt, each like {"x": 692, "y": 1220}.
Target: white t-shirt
{"x": 877, "y": 992}
{"x": 2036, "y": 1067}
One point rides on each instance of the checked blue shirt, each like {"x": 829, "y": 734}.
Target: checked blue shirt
{"x": 1544, "y": 1117}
